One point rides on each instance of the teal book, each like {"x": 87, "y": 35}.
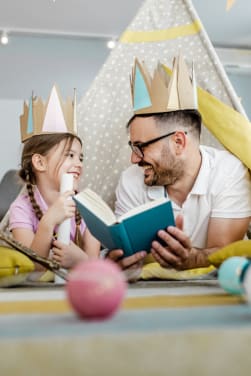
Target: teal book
{"x": 133, "y": 231}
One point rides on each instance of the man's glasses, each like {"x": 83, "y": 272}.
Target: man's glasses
{"x": 138, "y": 147}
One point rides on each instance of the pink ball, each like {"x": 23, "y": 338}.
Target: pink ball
{"x": 96, "y": 288}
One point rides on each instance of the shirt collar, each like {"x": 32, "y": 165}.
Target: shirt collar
{"x": 156, "y": 191}
{"x": 201, "y": 183}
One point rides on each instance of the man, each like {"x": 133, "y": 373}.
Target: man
{"x": 210, "y": 189}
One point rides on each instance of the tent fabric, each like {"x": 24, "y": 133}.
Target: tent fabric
{"x": 166, "y": 27}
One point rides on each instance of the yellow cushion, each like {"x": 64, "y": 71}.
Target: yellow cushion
{"x": 14, "y": 266}
{"x": 13, "y": 262}
{"x": 47, "y": 276}
{"x": 230, "y": 127}
{"x": 153, "y": 270}
{"x": 239, "y": 248}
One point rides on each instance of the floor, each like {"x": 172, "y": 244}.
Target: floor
{"x": 162, "y": 328}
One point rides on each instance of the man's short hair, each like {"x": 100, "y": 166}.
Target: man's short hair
{"x": 187, "y": 119}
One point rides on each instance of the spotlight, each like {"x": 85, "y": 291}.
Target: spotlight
{"x": 111, "y": 43}
{"x": 4, "y": 38}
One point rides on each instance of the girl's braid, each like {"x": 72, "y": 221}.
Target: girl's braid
{"x": 29, "y": 187}
{"x": 78, "y": 236}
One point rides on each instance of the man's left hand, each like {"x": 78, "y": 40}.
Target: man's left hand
{"x": 177, "y": 251}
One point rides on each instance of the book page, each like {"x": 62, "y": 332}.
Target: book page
{"x": 93, "y": 202}
{"x": 142, "y": 208}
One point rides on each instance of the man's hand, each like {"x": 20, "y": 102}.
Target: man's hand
{"x": 133, "y": 261}
{"x": 177, "y": 252}
{"x": 131, "y": 265}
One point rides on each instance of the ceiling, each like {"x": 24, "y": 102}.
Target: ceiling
{"x": 109, "y": 18}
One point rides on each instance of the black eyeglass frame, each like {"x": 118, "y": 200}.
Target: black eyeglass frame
{"x": 138, "y": 146}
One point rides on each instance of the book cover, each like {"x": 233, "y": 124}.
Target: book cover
{"x": 133, "y": 233}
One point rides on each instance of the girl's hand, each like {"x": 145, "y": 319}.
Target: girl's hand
{"x": 64, "y": 207}
{"x": 67, "y": 255}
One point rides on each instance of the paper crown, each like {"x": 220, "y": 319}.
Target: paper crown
{"x": 163, "y": 93}
{"x": 54, "y": 116}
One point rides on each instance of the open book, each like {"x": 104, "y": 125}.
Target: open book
{"x": 133, "y": 231}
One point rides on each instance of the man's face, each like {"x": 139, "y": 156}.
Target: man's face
{"x": 159, "y": 161}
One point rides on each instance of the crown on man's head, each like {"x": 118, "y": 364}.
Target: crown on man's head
{"x": 163, "y": 93}
{"x": 54, "y": 116}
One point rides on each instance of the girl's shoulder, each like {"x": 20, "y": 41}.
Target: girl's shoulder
{"x": 21, "y": 200}
{"x": 21, "y": 213}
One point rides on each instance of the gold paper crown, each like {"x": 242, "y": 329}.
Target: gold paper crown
{"x": 163, "y": 93}
{"x": 54, "y": 116}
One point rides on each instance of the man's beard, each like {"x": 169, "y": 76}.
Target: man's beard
{"x": 164, "y": 173}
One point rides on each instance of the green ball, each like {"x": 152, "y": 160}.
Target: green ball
{"x": 230, "y": 274}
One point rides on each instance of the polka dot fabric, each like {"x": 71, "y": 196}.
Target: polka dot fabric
{"x": 106, "y": 108}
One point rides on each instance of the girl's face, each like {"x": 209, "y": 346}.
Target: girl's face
{"x": 64, "y": 158}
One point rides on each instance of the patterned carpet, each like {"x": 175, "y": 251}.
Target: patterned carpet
{"x": 163, "y": 328}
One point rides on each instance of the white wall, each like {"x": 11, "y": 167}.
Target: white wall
{"x": 242, "y": 85}
{"x": 10, "y": 140}
{"x": 36, "y": 63}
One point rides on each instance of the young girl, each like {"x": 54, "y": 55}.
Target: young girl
{"x": 36, "y": 214}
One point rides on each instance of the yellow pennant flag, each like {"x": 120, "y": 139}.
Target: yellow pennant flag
{"x": 230, "y": 3}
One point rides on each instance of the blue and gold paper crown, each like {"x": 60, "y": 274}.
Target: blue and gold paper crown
{"x": 54, "y": 116}
{"x": 163, "y": 93}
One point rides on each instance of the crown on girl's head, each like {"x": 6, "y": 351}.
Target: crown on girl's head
{"x": 54, "y": 116}
{"x": 163, "y": 93}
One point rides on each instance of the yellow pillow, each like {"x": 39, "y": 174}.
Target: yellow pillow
{"x": 229, "y": 126}
{"x": 41, "y": 276}
{"x": 47, "y": 276}
{"x": 14, "y": 266}
{"x": 153, "y": 270}
{"x": 239, "y": 248}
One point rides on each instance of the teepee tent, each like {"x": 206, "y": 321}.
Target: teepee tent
{"x": 160, "y": 30}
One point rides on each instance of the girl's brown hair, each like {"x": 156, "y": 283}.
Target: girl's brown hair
{"x": 42, "y": 144}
